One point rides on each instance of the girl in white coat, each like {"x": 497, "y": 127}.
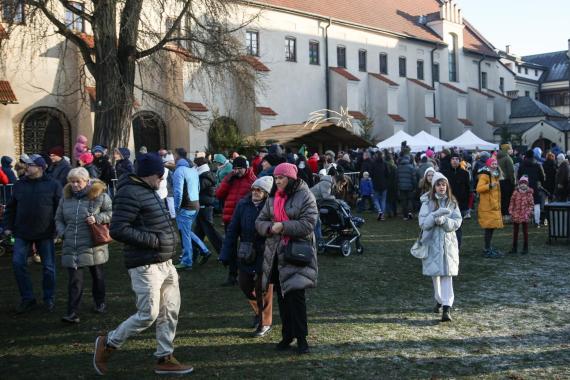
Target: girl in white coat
{"x": 439, "y": 219}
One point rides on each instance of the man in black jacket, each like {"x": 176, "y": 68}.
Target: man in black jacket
{"x": 103, "y": 165}
{"x": 533, "y": 170}
{"x": 30, "y": 217}
{"x": 459, "y": 184}
{"x": 379, "y": 175}
{"x": 141, "y": 221}
{"x": 204, "y": 225}
{"x": 59, "y": 167}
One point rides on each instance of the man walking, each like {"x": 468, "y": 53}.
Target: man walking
{"x": 141, "y": 221}
{"x": 30, "y": 217}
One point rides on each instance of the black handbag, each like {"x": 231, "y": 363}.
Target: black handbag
{"x": 299, "y": 253}
{"x": 246, "y": 252}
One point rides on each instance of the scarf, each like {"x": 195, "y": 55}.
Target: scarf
{"x": 81, "y": 193}
{"x": 279, "y": 214}
{"x": 203, "y": 169}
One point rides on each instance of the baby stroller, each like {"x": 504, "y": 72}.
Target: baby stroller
{"x": 339, "y": 227}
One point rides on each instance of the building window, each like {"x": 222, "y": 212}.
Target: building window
{"x": 290, "y": 49}
{"x": 536, "y": 96}
{"x": 314, "y": 53}
{"x": 13, "y": 11}
{"x": 526, "y": 70}
{"x": 435, "y": 72}
{"x": 452, "y": 56}
{"x": 341, "y": 56}
{"x": 483, "y": 79}
{"x": 535, "y": 73}
{"x": 402, "y": 66}
{"x": 362, "y": 60}
{"x": 502, "y": 84}
{"x": 519, "y": 69}
{"x": 420, "y": 69}
{"x": 252, "y": 42}
{"x": 384, "y": 63}
{"x": 72, "y": 20}
{"x": 527, "y": 93}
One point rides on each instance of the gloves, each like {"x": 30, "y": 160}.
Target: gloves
{"x": 439, "y": 220}
{"x": 441, "y": 212}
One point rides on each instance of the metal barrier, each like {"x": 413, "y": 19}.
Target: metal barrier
{"x": 558, "y": 214}
{"x": 354, "y": 178}
{"x": 6, "y": 192}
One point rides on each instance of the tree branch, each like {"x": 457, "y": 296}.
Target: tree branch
{"x": 81, "y": 13}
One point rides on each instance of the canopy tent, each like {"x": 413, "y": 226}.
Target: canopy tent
{"x": 396, "y": 141}
{"x": 426, "y": 140}
{"x": 468, "y": 140}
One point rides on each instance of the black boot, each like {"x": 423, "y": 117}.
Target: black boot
{"x": 284, "y": 345}
{"x": 525, "y": 249}
{"x": 514, "y": 249}
{"x": 446, "y": 316}
{"x": 437, "y": 308}
{"x": 302, "y": 346}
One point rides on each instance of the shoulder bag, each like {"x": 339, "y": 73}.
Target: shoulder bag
{"x": 298, "y": 252}
{"x": 419, "y": 250}
{"x": 246, "y": 252}
{"x": 100, "y": 234}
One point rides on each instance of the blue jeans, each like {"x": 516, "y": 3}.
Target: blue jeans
{"x": 46, "y": 250}
{"x": 185, "y": 220}
{"x": 380, "y": 200}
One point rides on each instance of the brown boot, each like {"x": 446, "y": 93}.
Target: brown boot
{"x": 168, "y": 365}
{"x": 102, "y": 353}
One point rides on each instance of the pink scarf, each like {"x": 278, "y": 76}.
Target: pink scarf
{"x": 279, "y": 214}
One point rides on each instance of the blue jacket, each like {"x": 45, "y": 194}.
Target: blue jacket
{"x": 186, "y": 186}
{"x": 365, "y": 187}
{"x": 242, "y": 226}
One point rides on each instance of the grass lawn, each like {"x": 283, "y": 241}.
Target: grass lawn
{"x": 369, "y": 317}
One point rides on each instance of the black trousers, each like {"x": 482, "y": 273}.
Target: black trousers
{"x": 292, "y": 310}
{"x": 204, "y": 227}
{"x": 76, "y": 284}
{"x": 506, "y": 193}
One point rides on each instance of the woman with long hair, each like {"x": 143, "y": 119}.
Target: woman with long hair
{"x": 489, "y": 209}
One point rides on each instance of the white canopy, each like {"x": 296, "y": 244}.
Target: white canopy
{"x": 468, "y": 140}
{"x": 396, "y": 141}
{"x": 426, "y": 140}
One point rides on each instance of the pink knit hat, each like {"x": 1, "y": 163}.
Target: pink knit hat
{"x": 490, "y": 161}
{"x": 286, "y": 169}
{"x": 429, "y": 153}
{"x": 86, "y": 158}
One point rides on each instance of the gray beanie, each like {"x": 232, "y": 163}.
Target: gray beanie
{"x": 264, "y": 183}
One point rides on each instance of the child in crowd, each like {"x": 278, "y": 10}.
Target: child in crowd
{"x": 365, "y": 202}
{"x": 521, "y": 209}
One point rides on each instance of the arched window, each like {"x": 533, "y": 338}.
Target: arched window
{"x": 453, "y": 77}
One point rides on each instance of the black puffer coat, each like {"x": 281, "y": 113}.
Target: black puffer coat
{"x": 406, "y": 174}
{"x": 207, "y": 189}
{"x": 142, "y": 222}
{"x": 535, "y": 176}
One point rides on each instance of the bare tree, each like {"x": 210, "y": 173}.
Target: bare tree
{"x": 127, "y": 34}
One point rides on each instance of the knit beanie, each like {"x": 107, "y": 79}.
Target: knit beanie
{"x": 220, "y": 158}
{"x": 98, "y": 148}
{"x": 264, "y": 183}
{"x": 560, "y": 158}
{"x": 149, "y": 164}
{"x": 57, "y": 151}
{"x": 436, "y": 177}
{"x": 429, "y": 153}
{"x": 287, "y": 170}
{"x": 86, "y": 158}
{"x": 484, "y": 155}
{"x": 429, "y": 170}
{"x": 240, "y": 162}
{"x": 446, "y": 151}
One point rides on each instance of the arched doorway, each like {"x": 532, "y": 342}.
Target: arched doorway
{"x": 542, "y": 143}
{"x": 44, "y": 128}
{"x": 149, "y": 130}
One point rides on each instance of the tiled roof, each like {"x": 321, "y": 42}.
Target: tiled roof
{"x": 266, "y": 111}
{"x": 528, "y": 107}
{"x": 433, "y": 120}
{"x": 196, "y": 107}
{"x": 397, "y": 118}
{"x": 421, "y": 84}
{"x": 384, "y": 79}
{"x": 181, "y": 52}
{"x": 256, "y": 63}
{"x": 466, "y": 122}
{"x": 357, "y": 115}
{"x": 558, "y": 64}
{"x": 7, "y": 96}
{"x": 520, "y": 128}
{"x": 92, "y": 92}
{"x": 454, "y": 88}
{"x": 481, "y": 92}
{"x": 474, "y": 41}
{"x": 344, "y": 73}
{"x": 88, "y": 39}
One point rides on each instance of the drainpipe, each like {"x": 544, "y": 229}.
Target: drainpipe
{"x": 327, "y": 74}
{"x": 432, "y": 79}
{"x": 479, "y": 69}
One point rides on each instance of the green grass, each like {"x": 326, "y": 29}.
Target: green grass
{"x": 369, "y": 317}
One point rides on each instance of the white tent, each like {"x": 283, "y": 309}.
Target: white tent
{"x": 468, "y": 140}
{"x": 396, "y": 141}
{"x": 426, "y": 140}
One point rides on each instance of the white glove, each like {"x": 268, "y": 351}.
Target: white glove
{"x": 442, "y": 211}
{"x": 439, "y": 220}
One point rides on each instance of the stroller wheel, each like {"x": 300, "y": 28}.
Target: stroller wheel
{"x": 346, "y": 248}
{"x": 321, "y": 246}
{"x": 359, "y": 247}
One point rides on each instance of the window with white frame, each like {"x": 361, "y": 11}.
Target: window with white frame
{"x": 362, "y": 60}
{"x": 73, "y": 20}
{"x": 252, "y": 42}
{"x": 435, "y": 72}
{"x": 483, "y": 79}
{"x": 290, "y": 49}
{"x": 341, "y": 56}
{"x": 402, "y": 66}
{"x": 384, "y": 63}
{"x": 420, "y": 69}
{"x": 314, "y": 58}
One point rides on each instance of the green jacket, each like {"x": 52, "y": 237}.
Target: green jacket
{"x": 507, "y": 166}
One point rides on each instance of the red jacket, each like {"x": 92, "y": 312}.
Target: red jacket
{"x": 231, "y": 190}
{"x": 313, "y": 164}
{"x": 3, "y": 178}
{"x": 256, "y": 164}
{"x": 521, "y": 206}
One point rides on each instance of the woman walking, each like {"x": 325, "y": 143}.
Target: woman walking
{"x": 489, "y": 209}
{"x": 288, "y": 221}
{"x": 84, "y": 202}
{"x": 439, "y": 218}
{"x": 249, "y": 252}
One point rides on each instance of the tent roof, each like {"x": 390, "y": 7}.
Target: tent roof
{"x": 426, "y": 140}
{"x": 396, "y": 141}
{"x": 468, "y": 140}
{"x": 327, "y": 134}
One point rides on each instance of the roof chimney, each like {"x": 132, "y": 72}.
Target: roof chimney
{"x": 508, "y": 49}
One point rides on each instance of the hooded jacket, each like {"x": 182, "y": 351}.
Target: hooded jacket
{"x": 225, "y": 167}
{"x": 323, "y": 189}
{"x": 124, "y": 165}
{"x": 186, "y": 187}
{"x": 142, "y": 223}
{"x": 7, "y": 169}
{"x": 489, "y": 209}
{"x": 407, "y": 180}
{"x": 231, "y": 190}
{"x": 535, "y": 175}
{"x": 507, "y": 166}
{"x": 207, "y": 186}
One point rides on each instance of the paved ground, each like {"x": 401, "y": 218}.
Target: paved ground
{"x": 369, "y": 318}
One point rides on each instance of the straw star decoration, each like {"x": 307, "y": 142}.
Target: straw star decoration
{"x": 343, "y": 119}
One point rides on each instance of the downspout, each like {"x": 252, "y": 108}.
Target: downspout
{"x": 432, "y": 77}
{"x": 479, "y": 68}
{"x": 327, "y": 74}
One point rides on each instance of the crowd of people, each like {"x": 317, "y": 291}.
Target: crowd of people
{"x": 271, "y": 226}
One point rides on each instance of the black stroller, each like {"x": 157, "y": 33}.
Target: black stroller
{"x": 339, "y": 228}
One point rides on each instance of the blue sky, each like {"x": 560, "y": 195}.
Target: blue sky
{"x": 529, "y": 26}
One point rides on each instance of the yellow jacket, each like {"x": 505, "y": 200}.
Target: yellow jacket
{"x": 489, "y": 210}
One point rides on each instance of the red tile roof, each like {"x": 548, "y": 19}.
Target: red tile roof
{"x": 88, "y": 39}
{"x": 397, "y": 118}
{"x": 181, "y": 52}
{"x": 421, "y": 84}
{"x": 266, "y": 111}
{"x": 357, "y": 115}
{"x": 481, "y": 92}
{"x": 344, "y": 73}
{"x": 454, "y": 88}
{"x": 255, "y": 63}
{"x": 474, "y": 41}
{"x": 466, "y": 122}
{"x": 196, "y": 107}
{"x": 7, "y": 96}
{"x": 433, "y": 120}
{"x": 384, "y": 79}
{"x": 92, "y": 92}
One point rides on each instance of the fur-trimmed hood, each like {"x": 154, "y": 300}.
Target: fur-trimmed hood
{"x": 97, "y": 188}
